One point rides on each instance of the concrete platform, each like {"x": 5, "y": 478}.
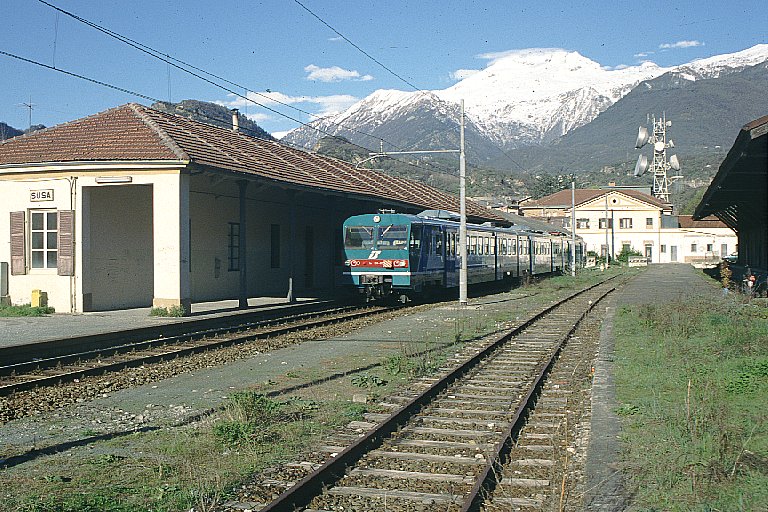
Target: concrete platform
{"x": 24, "y": 330}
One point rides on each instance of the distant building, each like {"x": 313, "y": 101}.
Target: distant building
{"x": 612, "y": 219}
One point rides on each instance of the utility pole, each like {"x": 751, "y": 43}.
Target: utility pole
{"x": 607, "y": 247}
{"x": 573, "y": 228}
{"x": 463, "y": 212}
{"x": 462, "y": 200}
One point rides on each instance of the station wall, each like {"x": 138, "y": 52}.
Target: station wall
{"x": 164, "y": 236}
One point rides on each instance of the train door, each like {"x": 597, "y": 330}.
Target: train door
{"x": 451, "y": 276}
{"x": 531, "y": 243}
{"x": 434, "y": 249}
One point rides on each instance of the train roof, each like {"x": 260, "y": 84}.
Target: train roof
{"x": 520, "y": 225}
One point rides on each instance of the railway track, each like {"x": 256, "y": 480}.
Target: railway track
{"x": 480, "y": 437}
{"x": 53, "y": 369}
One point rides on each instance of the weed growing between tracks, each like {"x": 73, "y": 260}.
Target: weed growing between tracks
{"x": 692, "y": 378}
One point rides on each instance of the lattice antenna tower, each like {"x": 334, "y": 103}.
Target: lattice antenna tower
{"x": 659, "y": 165}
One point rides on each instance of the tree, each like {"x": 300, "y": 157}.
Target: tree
{"x": 544, "y": 185}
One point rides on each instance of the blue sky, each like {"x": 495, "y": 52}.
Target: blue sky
{"x": 278, "y": 46}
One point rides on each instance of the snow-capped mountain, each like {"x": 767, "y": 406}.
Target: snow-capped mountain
{"x": 523, "y": 97}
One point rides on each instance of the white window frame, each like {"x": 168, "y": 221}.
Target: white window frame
{"x": 47, "y": 236}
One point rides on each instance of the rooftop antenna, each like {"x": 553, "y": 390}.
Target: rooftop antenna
{"x": 30, "y": 106}
{"x": 660, "y": 165}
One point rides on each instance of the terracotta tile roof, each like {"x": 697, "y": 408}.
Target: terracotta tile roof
{"x": 562, "y": 199}
{"x": 686, "y": 221}
{"x": 116, "y": 134}
{"x": 135, "y": 132}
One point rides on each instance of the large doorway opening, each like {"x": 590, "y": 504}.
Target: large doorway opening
{"x": 121, "y": 247}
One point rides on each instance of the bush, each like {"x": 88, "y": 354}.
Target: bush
{"x": 171, "y": 311}
{"x": 25, "y": 310}
{"x": 625, "y": 253}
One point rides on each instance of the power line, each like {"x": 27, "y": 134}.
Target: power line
{"x": 504, "y": 153}
{"x": 149, "y": 98}
{"x": 82, "y": 77}
{"x": 321, "y": 20}
{"x": 172, "y": 61}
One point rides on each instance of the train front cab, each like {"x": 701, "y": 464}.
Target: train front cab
{"x": 376, "y": 249}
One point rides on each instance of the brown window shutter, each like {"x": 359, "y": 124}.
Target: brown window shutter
{"x": 66, "y": 260}
{"x": 18, "y": 249}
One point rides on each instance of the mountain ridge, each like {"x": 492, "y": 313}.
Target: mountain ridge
{"x": 546, "y": 93}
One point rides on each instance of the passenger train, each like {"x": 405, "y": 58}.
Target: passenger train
{"x": 402, "y": 255}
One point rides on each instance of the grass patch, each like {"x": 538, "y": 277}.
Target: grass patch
{"x": 171, "y": 311}
{"x": 25, "y": 310}
{"x": 179, "y": 469}
{"x": 692, "y": 380}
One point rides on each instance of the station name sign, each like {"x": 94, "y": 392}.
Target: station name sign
{"x": 41, "y": 195}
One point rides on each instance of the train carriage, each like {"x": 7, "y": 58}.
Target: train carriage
{"x": 402, "y": 255}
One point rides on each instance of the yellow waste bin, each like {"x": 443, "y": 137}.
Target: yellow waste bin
{"x": 39, "y": 299}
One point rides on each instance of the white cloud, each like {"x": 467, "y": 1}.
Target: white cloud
{"x": 320, "y": 106}
{"x": 334, "y": 74}
{"x": 258, "y": 117}
{"x": 492, "y": 57}
{"x": 643, "y": 55}
{"x": 680, "y": 44}
{"x": 334, "y": 39}
{"x": 614, "y": 68}
{"x": 461, "y": 74}
{"x": 280, "y": 135}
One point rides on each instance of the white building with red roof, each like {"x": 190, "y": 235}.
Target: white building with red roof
{"x": 612, "y": 219}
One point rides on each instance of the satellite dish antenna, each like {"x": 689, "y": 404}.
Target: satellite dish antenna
{"x": 674, "y": 162}
{"x": 641, "y": 166}
{"x": 671, "y": 143}
{"x": 642, "y": 137}
{"x": 658, "y": 146}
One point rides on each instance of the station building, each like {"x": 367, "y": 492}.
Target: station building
{"x": 133, "y": 207}
{"x": 738, "y": 195}
{"x": 612, "y": 219}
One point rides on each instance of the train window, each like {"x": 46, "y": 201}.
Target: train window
{"x": 493, "y": 245}
{"x": 438, "y": 242}
{"x": 473, "y": 245}
{"x": 487, "y": 245}
{"x": 453, "y": 244}
{"x": 358, "y": 237}
{"x": 392, "y": 236}
{"x": 503, "y": 247}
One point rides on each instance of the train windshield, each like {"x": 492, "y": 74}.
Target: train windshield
{"x": 358, "y": 237}
{"x": 392, "y": 237}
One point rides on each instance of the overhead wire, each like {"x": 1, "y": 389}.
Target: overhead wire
{"x": 172, "y": 61}
{"x": 321, "y": 20}
{"x": 374, "y": 59}
{"x": 149, "y": 98}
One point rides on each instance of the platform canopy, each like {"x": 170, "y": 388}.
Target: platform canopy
{"x": 739, "y": 191}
